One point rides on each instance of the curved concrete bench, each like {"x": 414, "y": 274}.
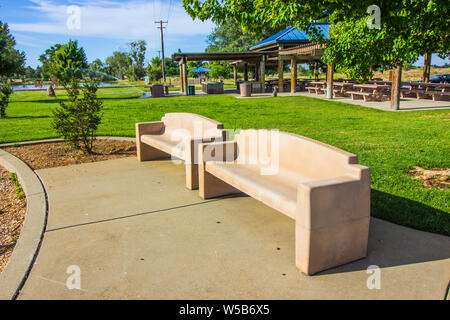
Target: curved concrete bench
{"x": 319, "y": 186}
{"x": 178, "y": 135}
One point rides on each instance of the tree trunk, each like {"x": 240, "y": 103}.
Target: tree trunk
{"x": 51, "y": 91}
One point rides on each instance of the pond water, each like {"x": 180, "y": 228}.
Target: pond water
{"x": 45, "y": 86}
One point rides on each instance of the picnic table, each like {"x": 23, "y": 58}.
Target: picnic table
{"x": 370, "y": 92}
{"x": 424, "y": 90}
{"x": 341, "y": 88}
{"x": 319, "y": 87}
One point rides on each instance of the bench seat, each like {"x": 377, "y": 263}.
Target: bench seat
{"x": 277, "y": 191}
{"x": 178, "y": 135}
{"x": 322, "y": 188}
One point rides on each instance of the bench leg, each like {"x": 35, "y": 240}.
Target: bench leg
{"x": 324, "y": 248}
{"x": 146, "y": 152}
{"x": 191, "y": 176}
{"x": 210, "y": 186}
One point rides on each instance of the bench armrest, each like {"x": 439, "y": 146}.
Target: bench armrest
{"x": 332, "y": 202}
{"x": 217, "y": 151}
{"x": 148, "y": 128}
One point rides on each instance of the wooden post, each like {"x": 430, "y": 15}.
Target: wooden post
{"x": 280, "y": 74}
{"x": 235, "y": 74}
{"x": 185, "y": 77}
{"x": 426, "y": 67}
{"x": 293, "y": 75}
{"x": 262, "y": 71}
{"x": 395, "y": 90}
{"x": 316, "y": 71}
{"x": 181, "y": 77}
{"x": 330, "y": 71}
{"x": 245, "y": 71}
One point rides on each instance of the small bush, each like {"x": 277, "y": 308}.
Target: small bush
{"x": 5, "y": 93}
{"x": 77, "y": 119}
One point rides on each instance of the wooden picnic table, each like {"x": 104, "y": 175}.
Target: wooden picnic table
{"x": 319, "y": 87}
{"x": 370, "y": 92}
{"x": 341, "y": 88}
{"x": 423, "y": 90}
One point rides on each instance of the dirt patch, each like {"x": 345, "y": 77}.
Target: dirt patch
{"x": 432, "y": 178}
{"x": 443, "y": 116}
{"x": 13, "y": 206}
{"x": 58, "y": 154}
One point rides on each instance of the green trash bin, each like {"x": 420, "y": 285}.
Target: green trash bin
{"x": 192, "y": 90}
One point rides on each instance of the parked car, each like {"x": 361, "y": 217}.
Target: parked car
{"x": 438, "y": 78}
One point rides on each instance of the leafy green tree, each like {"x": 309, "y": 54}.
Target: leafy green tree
{"x": 12, "y": 61}
{"x": 46, "y": 59}
{"x": 407, "y": 28}
{"x": 118, "y": 64}
{"x": 77, "y": 119}
{"x": 67, "y": 62}
{"x": 5, "y": 93}
{"x": 137, "y": 55}
{"x": 172, "y": 68}
{"x": 97, "y": 65}
{"x": 154, "y": 69}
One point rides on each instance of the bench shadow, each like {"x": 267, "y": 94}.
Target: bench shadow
{"x": 393, "y": 245}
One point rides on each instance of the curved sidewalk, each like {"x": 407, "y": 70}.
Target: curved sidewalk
{"x": 135, "y": 232}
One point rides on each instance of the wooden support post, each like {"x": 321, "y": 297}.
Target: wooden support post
{"x": 181, "y": 78}
{"x": 293, "y": 75}
{"x": 426, "y": 67}
{"x": 262, "y": 72}
{"x": 185, "y": 78}
{"x": 395, "y": 90}
{"x": 316, "y": 71}
{"x": 330, "y": 71}
{"x": 235, "y": 74}
{"x": 280, "y": 74}
{"x": 245, "y": 71}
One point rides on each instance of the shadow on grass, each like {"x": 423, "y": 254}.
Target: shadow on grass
{"x": 29, "y": 117}
{"x": 393, "y": 245}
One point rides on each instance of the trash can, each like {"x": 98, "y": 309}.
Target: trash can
{"x": 246, "y": 89}
{"x": 157, "y": 91}
{"x": 192, "y": 90}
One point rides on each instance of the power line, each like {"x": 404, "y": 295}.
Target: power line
{"x": 161, "y": 27}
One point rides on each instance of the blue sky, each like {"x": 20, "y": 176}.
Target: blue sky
{"x": 106, "y": 26}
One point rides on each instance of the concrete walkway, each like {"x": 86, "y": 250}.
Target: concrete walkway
{"x": 136, "y": 232}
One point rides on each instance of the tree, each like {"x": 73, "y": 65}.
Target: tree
{"x": 77, "y": 119}
{"x": 118, "y": 64}
{"x": 5, "y": 93}
{"x": 229, "y": 36}
{"x": 97, "y": 65}
{"x": 137, "y": 56}
{"x": 154, "y": 69}
{"x": 407, "y": 29}
{"x": 12, "y": 61}
{"x": 67, "y": 62}
{"x": 46, "y": 59}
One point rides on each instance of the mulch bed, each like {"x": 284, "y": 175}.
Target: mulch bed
{"x": 12, "y": 215}
{"x": 58, "y": 154}
{"x": 432, "y": 178}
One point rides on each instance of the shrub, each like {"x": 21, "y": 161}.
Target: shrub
{"x": 5, "y": 93}
{"x": 77, "y": 119}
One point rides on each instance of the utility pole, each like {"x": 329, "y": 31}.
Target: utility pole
{"x": 161, "y": 27}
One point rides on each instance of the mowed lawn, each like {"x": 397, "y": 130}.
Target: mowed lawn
{"x": 389, "y": 143}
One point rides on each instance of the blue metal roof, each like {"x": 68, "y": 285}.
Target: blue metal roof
{"x": 202, "y": 69}
{"x": 292, "y": 34}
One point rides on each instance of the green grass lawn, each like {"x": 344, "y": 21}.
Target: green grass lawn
{"x": 389, "y": 143}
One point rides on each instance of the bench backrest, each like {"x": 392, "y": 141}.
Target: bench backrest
{"x": 293, "y": 153}
{"x": 197, "y": 125}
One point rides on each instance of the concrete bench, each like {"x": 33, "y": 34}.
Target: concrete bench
{"x": 178, "y": 135}
{"x": 321, "y": 187}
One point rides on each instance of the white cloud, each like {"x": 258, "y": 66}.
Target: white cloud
{"x": 126, "y": 20}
